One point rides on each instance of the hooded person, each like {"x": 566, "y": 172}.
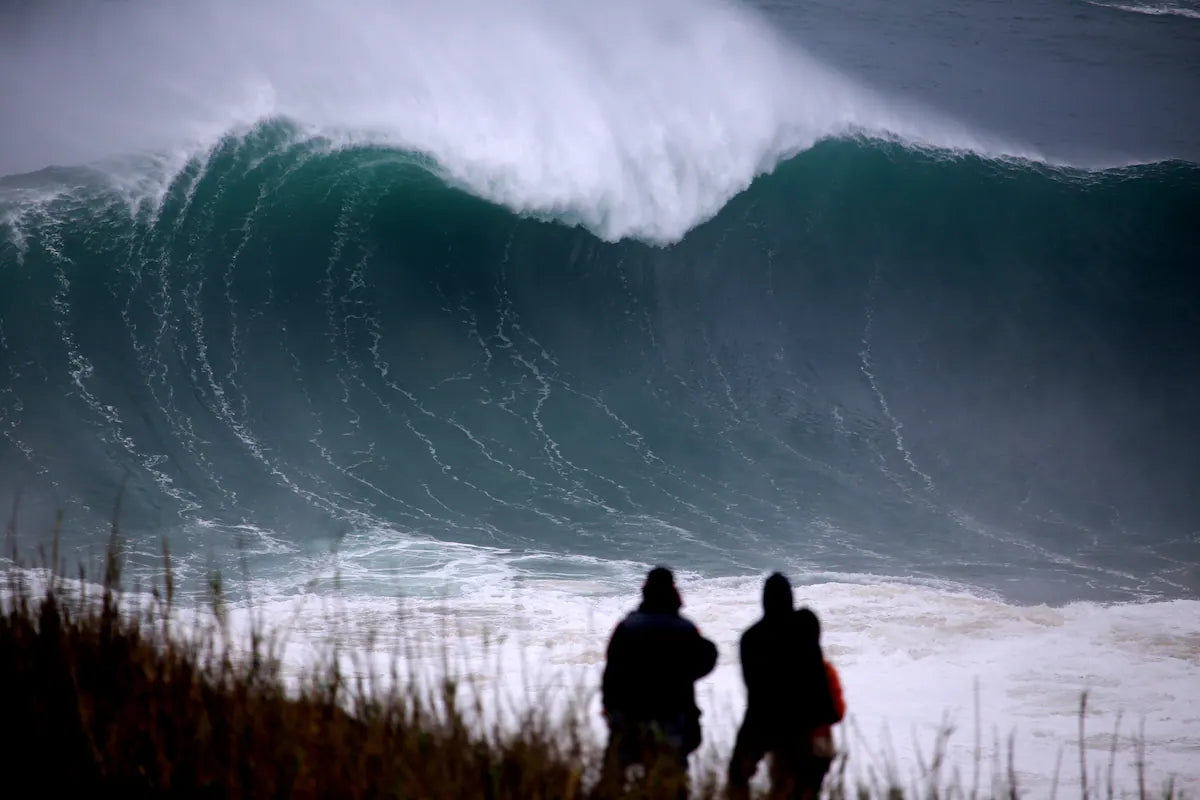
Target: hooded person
{"x": 792, "y": 697}
{"x": 654, "y": 658}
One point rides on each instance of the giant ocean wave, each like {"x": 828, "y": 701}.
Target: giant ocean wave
{"x": 879, "y": 357}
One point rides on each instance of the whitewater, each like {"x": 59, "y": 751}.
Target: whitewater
{"x": 638, "y": 122}
{"x": 486, "y": 309}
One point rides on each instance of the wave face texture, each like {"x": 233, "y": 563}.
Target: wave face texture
{"x": 875, "y": 359}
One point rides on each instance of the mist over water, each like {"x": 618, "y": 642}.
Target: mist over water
{"x": 507, "y": 303}
{"x": 638, "y": 120}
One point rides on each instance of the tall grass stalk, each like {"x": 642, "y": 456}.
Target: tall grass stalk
{"x": 112, "y": 694}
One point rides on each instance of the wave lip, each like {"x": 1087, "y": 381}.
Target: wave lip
{"x": 634, "y": 120}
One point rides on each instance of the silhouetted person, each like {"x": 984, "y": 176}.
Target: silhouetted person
{"x": 793, "y": 696}
{"x": 654, "y": 658}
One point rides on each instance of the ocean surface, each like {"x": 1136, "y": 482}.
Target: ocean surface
{"x": 481, "y": 309}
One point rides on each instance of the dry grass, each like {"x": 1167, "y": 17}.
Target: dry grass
{"x": 102, "y": 697}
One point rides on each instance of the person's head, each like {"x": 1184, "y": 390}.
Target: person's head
{"x": 777, "y": 595}
{"x": 809, "y": 625}
{"x": 659, "y": 592}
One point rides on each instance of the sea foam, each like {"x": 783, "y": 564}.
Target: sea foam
{"x": 634, "y": 119}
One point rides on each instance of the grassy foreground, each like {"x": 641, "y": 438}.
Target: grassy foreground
{"x": 104, "y": 697}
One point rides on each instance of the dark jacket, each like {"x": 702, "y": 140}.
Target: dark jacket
{"x": 654, "y": 658}
{"x": 784, "y": 669}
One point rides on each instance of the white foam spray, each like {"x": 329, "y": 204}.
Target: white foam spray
{"x": 635, "y": 119}
{"x": 915, "y": 660}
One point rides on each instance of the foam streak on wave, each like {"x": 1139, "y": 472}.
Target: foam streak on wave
{"x": 635, "y": 119}
{"x": 1165, "y": 9}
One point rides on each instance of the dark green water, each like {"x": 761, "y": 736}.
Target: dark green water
{"x": 876, "y": 359}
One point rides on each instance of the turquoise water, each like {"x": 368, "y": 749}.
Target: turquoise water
{"x": 698, "y": 283}
{"x": 875, "y": 359}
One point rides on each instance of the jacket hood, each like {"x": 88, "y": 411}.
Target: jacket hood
{"x": 659, "y": 594}
{"x": 777, "y": 595}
